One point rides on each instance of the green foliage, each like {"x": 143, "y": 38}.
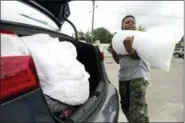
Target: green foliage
{"x": 103, "y": 35}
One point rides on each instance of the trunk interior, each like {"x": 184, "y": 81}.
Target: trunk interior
{"x": 88, "y": 55}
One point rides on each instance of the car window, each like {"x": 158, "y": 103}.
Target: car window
{"x": 20, "y": 12}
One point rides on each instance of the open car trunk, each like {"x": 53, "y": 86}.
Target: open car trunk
{"x": 88, "y": 55}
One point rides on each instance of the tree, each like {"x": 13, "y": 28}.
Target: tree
{"x": 88, "y": 37}
{"x": 180, "y": 43}
{"x": 81, "y": 35}
{"x": 102, "y": 34}
{"x": 141, "y": 28}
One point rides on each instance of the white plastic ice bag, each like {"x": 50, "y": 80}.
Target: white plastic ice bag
{"x": 155, "y": 46}
{"x": 61, "y": 75}
{"x": 11, "y": 45}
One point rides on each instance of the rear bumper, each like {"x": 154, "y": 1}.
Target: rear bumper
{"x": 108, "y": 111}
{"x": 31, "y": 108}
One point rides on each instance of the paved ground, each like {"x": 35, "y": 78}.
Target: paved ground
{"x": 164, "y": 93}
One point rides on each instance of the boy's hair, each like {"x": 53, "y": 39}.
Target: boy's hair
{"x": 126, "y": 18}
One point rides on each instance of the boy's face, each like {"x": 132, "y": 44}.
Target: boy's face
{"x": 129, "y": 24}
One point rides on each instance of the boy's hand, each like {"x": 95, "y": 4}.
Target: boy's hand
{"x": 128, "y": 43}
{"x": 110, "y": 49}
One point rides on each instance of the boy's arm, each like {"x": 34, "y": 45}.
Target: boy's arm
{"x": 113, "y": 53}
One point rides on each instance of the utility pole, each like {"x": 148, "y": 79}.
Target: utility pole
{"x": 92, "y": 36}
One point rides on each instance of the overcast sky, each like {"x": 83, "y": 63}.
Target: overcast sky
{"x": 109, "y": 14}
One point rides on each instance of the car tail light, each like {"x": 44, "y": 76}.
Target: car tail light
{"x": 102, "y": 56}
{"x": 7, "y": 32}
{"x": 18, "y": 76}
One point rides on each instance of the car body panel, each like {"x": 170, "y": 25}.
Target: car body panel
{"x": 109, "y": 109}
{"x": 29, "y": 107}
{"x": 29, "y": 16}
{"x": 58, "y": 10}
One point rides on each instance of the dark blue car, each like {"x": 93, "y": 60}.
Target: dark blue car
{"x": 21, "y": 98}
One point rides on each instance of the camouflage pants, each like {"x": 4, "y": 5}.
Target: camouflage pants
{"x": 133, "y": 102}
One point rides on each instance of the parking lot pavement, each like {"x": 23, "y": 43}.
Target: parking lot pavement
{"x": 164, "y": 93}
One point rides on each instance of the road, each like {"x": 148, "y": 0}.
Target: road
{"x": 164, "y": 93}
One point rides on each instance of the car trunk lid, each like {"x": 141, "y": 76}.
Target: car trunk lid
{"x": 56, "y": 10}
